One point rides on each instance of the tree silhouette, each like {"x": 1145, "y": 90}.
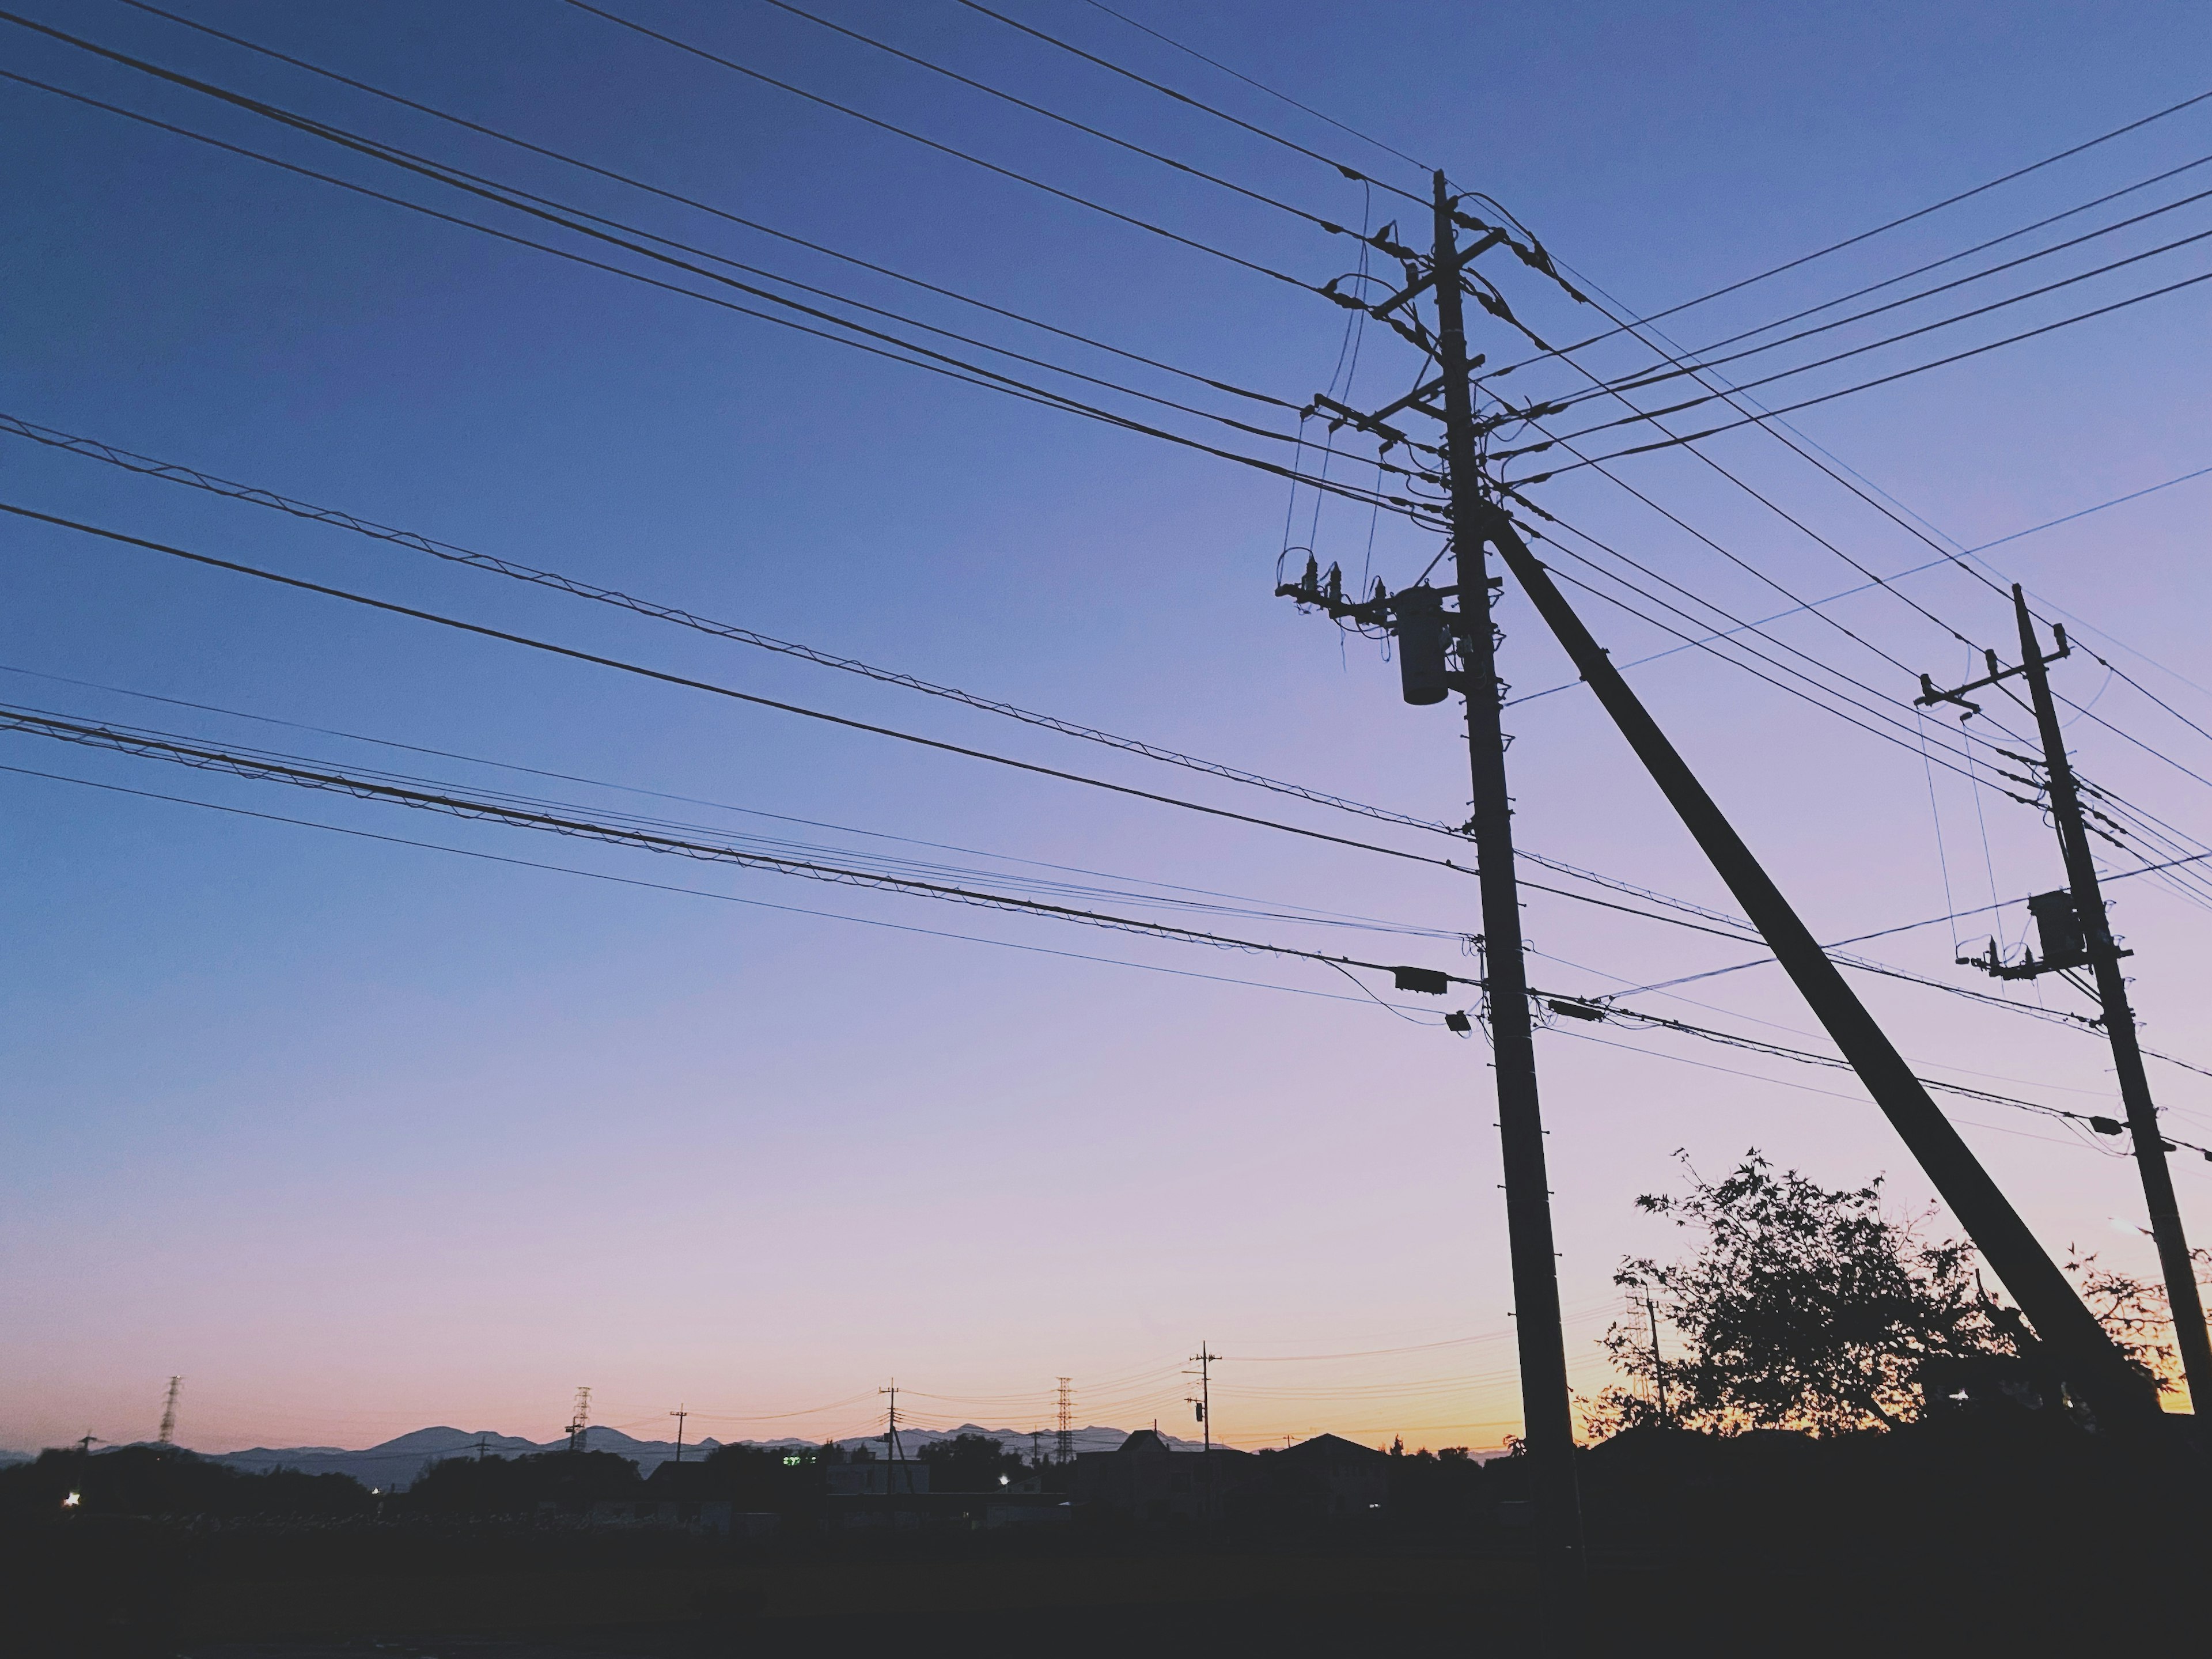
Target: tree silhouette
{"x": 1803, "y": 1307}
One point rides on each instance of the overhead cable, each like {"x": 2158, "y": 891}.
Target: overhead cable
{"x": 1344, "y": 167}
{"x": 721, "y": 213}
{"x": 687, "y": 683}
{"x": 1131, "y": 220}
{"x": 987, "y": 380}
{"x": 1894, "y": 224}
{"x": 202, "y": 758}
{"x": 1328, "y": 225}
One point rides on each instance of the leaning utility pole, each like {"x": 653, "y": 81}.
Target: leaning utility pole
{"x": 679, "y": 1414}
{"x": 1546, "y": 1413}
{"x": 2076, "y": 933}
{"x": 2092, "y": 1363}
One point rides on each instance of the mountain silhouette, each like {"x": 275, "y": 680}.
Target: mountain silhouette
{"x": 398, "y": 1462}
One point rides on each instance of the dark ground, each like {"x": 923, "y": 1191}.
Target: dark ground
{"x": 1974, "y": 1540}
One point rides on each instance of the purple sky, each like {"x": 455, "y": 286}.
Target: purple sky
{"x": 358, "y": 1135}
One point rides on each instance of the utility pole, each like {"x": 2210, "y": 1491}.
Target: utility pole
{"x": 2076, "y": 932}
{"x": 85, "y": 1443}
{"x": 481, "y": 1447}
{"x": 168, "y": 1434}
{"x": 1065, "y": 1446}
{"x": 894, "y": 1450}
{"x": 1658, "y": 1370}
{"x": 1417, "y": 619}
{"x": 1546, "y": 1412}
{"x": 1205, "y": 1359}
{"x": 679, "y": 1414}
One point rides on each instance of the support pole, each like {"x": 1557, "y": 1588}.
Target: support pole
{"x": 2189, "y": 1333}
{"x": 1546, "y": 1412}
{"x": 2092, "y": 1364}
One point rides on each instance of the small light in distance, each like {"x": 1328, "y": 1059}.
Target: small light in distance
{"x": 72, "y": 1500}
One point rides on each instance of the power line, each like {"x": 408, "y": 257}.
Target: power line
{"x": 1740, "y": 388}
{"x": 1698, "y": 359}
{"x": 160, "y": 744}
{"x": 1330, "y": 225}
{"x": 1905, "y": 219}
{"x": 720, "y": 213}
{"x": 976, "y": 161}
{"x": 1258, "y": 85}
{"x": 1860, "y": 292}
{"x": 666, "y": 887}
{"x": 687, "y": 683}
{"x": 1346, "y": 168}
{"x": 574, "y": 219}
{"x": 1886, "y": 379}
{"x": 1946, "y": 559}
{"x": 175, "y": 472}
{"x": 923, "y": 358}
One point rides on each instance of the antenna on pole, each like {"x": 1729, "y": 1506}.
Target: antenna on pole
{"x": 168, "y": 1434}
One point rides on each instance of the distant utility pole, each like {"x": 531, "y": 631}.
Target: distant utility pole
{"x": 892, "y": 1448}
{"x": 481, "y": 1447}
{"x": 85, "y": 1443}
{"x": 679, "y": 1414}
{"x": 1205, "y": 1359}
{"x": 1658, "y": 1369}
{"x": 168, "y": 1434}
{"x": 1065, "y": 1440}
{"x": 581, "y": 1422}
{"x": 2076, "y": 932}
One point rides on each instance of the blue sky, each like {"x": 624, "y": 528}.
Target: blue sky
{"x": 358, "y": 1135}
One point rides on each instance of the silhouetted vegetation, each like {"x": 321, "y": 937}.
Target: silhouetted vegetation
{"x": 970, "y": 1462}
{"x": 516, "y": 1485}
{"x": 160, "y": 1480}
{"x": 1808, "y": 1307}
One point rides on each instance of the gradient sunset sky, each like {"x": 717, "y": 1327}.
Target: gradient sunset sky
{"x": 358, "y": 1135}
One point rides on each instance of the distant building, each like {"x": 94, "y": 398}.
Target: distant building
{"x": 1330, "y": 1476}
{"x": 1146, "y": 1480}
{"x": 879, "y": 1478}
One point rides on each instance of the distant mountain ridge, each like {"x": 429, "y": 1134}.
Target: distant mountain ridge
{"x": 396, "y": 1462}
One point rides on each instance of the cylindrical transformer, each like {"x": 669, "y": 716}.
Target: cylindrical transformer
{"x": 1419, "y": 614}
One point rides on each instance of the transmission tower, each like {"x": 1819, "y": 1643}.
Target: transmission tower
{"x": 168, "y": 1434}
{"x": 1064, "y": 1442}
{"x": 581, "y": 1421}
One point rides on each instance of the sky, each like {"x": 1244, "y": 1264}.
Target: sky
{"x": 360, "y": 1119}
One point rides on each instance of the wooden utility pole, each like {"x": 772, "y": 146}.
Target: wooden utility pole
{"x": 2104, "y": 960}
{"x": 679, "y": 1414}
{"x": 1546, "y": 1412}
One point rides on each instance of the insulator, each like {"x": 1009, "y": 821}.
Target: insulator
{"x": 1420, "y": 630}
{"x": 1311, "y": 582}
{"x": 1336, "y": 584}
